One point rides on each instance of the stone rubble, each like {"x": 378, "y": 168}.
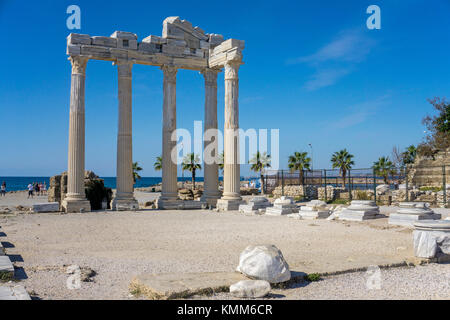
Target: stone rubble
{"x": 315, "y": 209}
{"x": 255, "y": 205}
{"x": 360, "y": 210}
{"x": 250, "y": 289}
{"x": 432, "y": 239}
{"x": 281, "y": 206}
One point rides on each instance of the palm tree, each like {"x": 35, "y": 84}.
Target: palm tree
{"x": 342, "y": 160}
{"x": 409, "y": 155}
{"x": 191, "y": 162}
{"x": 221, "y": 161}
{"x": 136, "y": 169}
{"x": 384, "y": 167}
{"x": 258, "y": 163}
{"x": 299, "y": 161}
{"x": 158, "y": 164}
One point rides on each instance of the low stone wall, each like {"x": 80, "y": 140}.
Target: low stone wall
{"x": 296, "y": 191}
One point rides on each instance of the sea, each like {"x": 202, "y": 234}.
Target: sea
{"x": 21, "y": 183}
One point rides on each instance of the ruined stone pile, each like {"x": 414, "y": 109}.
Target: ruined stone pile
{"x": 294, "y": 191}
{"x": 255, "y": 205}
{"x": 281, "y": 206}
{"x": 315, "y": 209}
{"x": 360, "y": 210}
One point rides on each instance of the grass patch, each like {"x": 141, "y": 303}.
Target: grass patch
{"x": 6, "y": 276}
{"x": 338, "y": 201}
{"x": 433, "y": 189}
{"x": 312, "y": 277}
{"x": 362, "y": 195}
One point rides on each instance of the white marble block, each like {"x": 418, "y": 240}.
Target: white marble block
{"x": 264, "y": 262}
{"x": 411, "y": 212}
{"x": 431, "y": 238}
{"x": 250, "y": 289}
{"x": 281, "y": 206}
{"x": 46, "y": 207}
{"x": 360, "y": 210}
{"x": 254, "y": 205}
{"x": 315, "y": 209}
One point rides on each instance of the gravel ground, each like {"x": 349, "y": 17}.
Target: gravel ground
{"x": 121, "y": 245}
{"x": 421, "y": 282}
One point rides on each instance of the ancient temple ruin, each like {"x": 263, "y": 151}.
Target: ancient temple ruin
{"x": 181, "y": 46}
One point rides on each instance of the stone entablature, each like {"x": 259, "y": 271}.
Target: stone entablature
{"x": 180, "y": 45}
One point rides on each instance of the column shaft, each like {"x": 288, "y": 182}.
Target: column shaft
{"x": 169, "y": 165}
{"x": 124, "y": 136}
{"x": 210, "y": 155}
{"x": 231, "y": 138}
{"x": 76, "y": 154}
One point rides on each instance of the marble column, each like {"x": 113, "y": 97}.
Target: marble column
{"x": 231, "y": 178}
{"x": 210, "y": 167}
{"x": 124, "y": 198}
{"x": 169, "y": 190}
{"x": 75, "y": 200}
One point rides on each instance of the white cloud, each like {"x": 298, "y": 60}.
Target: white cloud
{"x": 324, "y": 78}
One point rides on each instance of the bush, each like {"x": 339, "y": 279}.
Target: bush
{"x": 338, "y": 201}
{"x": 362, "y": 195}
{"x": 433, "y": 189}
{"x": 96, "y": 193}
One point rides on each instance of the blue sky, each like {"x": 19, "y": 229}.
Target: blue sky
{"x": 312, "y": 70}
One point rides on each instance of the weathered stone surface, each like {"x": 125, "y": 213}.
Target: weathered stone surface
{"x": 360, "y": 210}
{"x": 46, "y": 207}
{"x": 104, "y": 41}
{"x": 254, "y": 205}
{"x": 14, "y": 293}
{"x": 431, "y": 238}
{"x": 76, "y": 38}
{"x": 411, "y": 212}
{"x": 250, "y": 289}
{"x": 315, "y": 209}
{"x": 281, "y": 206}
{"x": 6, "y": 267}
{"x": 2, "y": 250}
{"x": 176, "y": 285}
{"x": 264, "y": 262}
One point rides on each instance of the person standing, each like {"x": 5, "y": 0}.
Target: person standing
{"x": 36, "y": 188}
{"x": 3, "y": 189}
{"x": 30, "y": 190}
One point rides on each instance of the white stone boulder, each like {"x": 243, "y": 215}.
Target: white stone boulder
{"x": 382, "y": 188}
{"x": 264, "y": 262}
{"x": 360, "y": 210}
{"x": 250, "y": 289}
{"x": 410, "y": 212}
{"x": 46, "y": 207}
{"x": 255, "y": 205}
{"x": 315, "y": 209}
{"x": 281, "y": 206}
{"x": 431, "y": 238}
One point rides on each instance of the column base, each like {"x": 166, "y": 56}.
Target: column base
{"x": 164, "y": 204}
{"x": 210, "y": 199}
{"x": 76, "y": 205}
{"x": 229, "y": 205}
{"x": 124, "y": 205}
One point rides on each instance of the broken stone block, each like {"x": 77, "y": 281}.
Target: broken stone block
{"x": 250, "y": 289}
{"x": 283, "y": 205}
{"x": 76, "y": 38}
{"x": 264, "y": 262}
{"x": 147, "y": 47}
{"x": 360, "y": 210}
{"x": 315, "y": 209}
{"x": 431, "y": 238}
{"x": 46, "y": 207}
{"x": 105, "y": 42}
{"x": 73, "y": 50}
{"x": 254, "y": 205}
{"x": 124, "y": 35}
{"x": 411, "y": 212}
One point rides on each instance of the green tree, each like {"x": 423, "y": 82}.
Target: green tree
{"x": 158, "y": 164}
{"x": 299, "y": 161}
{"x": 136, "y": 170}
{"x": 259, "y": 162}
{"x": 191, "y": 162}
{"x": 221, "y": 161}
{"x": 384, "y": 168}
{"x": 409, "y": 155}
{"x": 342, "y": 160}
{"x": 438, "y": 126}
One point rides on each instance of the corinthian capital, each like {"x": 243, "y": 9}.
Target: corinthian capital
{"x": 170, "y": 73}
{"x": 231, "y": 70}
{"x": 210, "y": 76}
{"x": 78, "y": 64}
{"x": 124, "y": 68}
